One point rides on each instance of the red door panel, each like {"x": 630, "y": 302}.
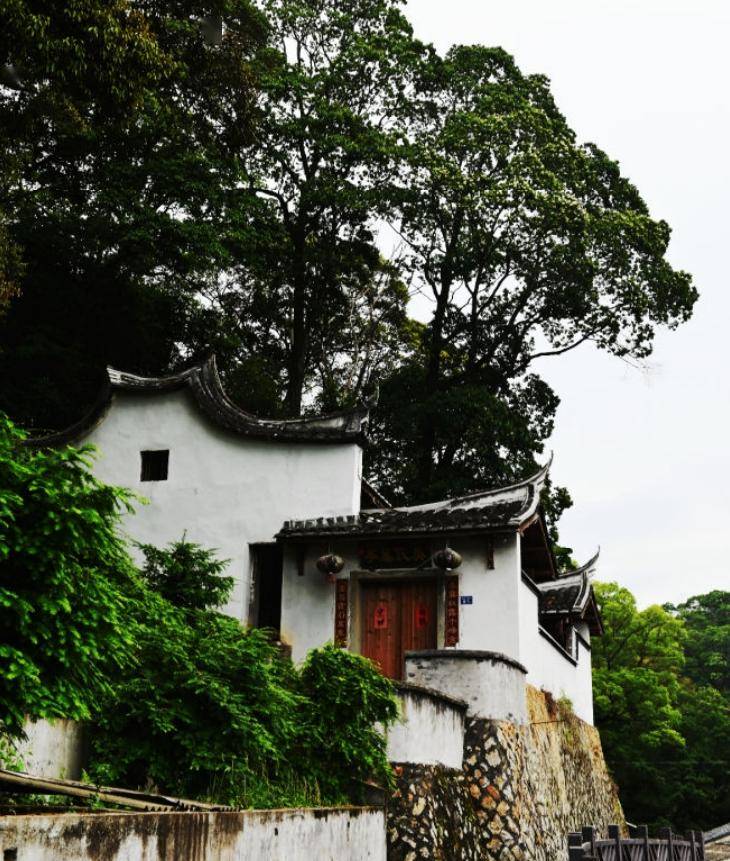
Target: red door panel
{"x": 398, "y": 616}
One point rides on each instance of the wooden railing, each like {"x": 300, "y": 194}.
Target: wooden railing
{"x": 638, "y": 846}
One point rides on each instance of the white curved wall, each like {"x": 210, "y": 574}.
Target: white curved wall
{"x": 224, "y": 490}
{"x": 430, "y": 732}
{"x": 492, "y": 688}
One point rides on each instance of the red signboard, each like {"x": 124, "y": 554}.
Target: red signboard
{"x": 341, "y": 590}
{"x": 380, "y": 617}
{"x": 451, "y": 631}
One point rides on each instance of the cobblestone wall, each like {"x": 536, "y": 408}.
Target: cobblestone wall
{"x": 522, "y": 789}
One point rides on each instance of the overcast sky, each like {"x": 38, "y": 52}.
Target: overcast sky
{"x": 645, "y": 453}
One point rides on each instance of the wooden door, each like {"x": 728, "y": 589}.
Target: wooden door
{"x": 398, "y": 616}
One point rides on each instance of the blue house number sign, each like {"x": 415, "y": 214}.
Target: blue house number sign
{"x": 466, "y": 599}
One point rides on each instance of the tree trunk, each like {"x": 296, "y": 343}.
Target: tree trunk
{"x": 427, "y": 445}
{"x": 297, "y": 362}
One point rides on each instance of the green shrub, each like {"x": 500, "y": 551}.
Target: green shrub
{"x": 64, "y": 575}
{"x": 346, "y": 701}
{"x": 212, "y": 710}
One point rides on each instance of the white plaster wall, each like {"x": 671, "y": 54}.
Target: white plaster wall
{"x": 53, "y": 748}
{"x": 547, "y": 668}
{"x": 490, "y": 687}
{"x": 430, "y": 731}
{"x": 307, "y": 603}
{"x": 224, "y": 490}
{"x": 489, "y": 623}
{"x": 337, "y": 834}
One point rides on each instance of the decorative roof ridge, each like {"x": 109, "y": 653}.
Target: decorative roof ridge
{"x": 207, "y": 372}
{"x": 207, "y": 389}
{"x": 454, "y": 502}
{"x": 566, "y": 580}
{"x": 589, "y": 567}
{"x": 508, "y": 511}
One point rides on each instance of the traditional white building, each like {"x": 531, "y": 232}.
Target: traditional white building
{"x": 277, "y": 497}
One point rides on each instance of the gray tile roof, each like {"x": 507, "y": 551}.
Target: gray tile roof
{"x": 497, "y": 509}
{"x": 570, "y": 594}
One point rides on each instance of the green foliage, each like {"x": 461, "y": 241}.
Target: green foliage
{"x": 665, "y": 736}
{"x": 186, "y": 575}
{"x": 11, "y": 267}
{"x": 526, "y": 244}
{"x": 346, "y": 698}
{"x": 311, "y": 291}
{"x": 209, "y": 709}
{"x": 115, "y": 181}
{"x": 707, "y": 619}
{"x": 64, "y": 575}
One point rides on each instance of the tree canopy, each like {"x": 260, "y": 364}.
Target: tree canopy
{"x": 120, "y": 142}
{"x": 665, "y": 727}
{"x": 241, "y": 197}
{"x": 526, "y": 244}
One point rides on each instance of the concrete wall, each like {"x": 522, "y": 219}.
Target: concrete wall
{"x": 225, "y": 491}
{"x": 337, "y": 834}
{"x": 431, "y": 730}
{"x": 492, "y": 685}
{"x": 54, "y": 748}
{"x": 548, "y": 667}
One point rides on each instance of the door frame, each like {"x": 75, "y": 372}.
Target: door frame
{"x": 400, "y": 575}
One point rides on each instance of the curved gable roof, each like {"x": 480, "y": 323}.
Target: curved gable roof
{"x": 203, "y": 383}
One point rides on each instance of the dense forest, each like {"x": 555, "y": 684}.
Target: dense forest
{"x": 275, "y": 182}
{"x": 661, "y": 685}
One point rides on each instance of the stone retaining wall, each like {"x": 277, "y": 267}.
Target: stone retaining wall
{"x": 521, "y": 790}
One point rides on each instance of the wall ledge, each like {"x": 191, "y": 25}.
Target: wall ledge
{"x": 430, "y": 693}
{"x": 468, "y": 655}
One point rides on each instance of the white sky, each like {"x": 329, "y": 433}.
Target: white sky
{"x": 645, "y": 454}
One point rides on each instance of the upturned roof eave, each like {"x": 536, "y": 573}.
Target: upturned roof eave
{"x": 204, "y": 384}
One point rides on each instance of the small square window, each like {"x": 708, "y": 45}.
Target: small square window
{"x": 154, "y": 465}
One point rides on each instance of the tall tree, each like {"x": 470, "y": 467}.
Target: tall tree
{"x": 312, "y": 296}
{"x": 122, "y": 135}
{"x": 707, "y": 618}
{"x": 527, "y": 244}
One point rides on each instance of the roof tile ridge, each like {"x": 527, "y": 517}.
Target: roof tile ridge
{"x": 530, "y": 481}
{"x": 587, "y": 567}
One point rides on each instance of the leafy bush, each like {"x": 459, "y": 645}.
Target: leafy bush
{"x": 209, "y": 709}
{"x": 345, "y": 700}
{"x": 64, "y": 573}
